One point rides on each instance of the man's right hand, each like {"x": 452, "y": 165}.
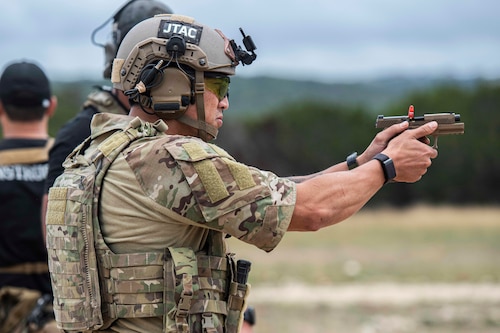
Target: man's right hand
{"x": 410, "y": 154}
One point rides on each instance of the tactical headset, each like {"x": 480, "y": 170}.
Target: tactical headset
{"x": 131, "y": 13}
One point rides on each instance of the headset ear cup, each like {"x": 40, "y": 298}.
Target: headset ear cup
{"x": 173, "y": 95}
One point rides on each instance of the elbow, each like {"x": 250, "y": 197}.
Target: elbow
{"x": 319, "y": 220}
{"x": 312, "y": 221}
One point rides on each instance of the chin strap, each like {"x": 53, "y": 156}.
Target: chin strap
{"x": 206, "y": 132}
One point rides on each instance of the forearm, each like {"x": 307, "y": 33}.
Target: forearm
{"x": 342, "y": 166}
{"x": 332, "y": 197}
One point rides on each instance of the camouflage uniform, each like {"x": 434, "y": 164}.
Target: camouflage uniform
{"x": 178, "y": 192}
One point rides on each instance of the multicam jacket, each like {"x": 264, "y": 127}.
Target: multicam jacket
{"x": 179, "y": 196}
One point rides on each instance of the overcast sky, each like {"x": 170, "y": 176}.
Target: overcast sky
{"x": 327, "y": 40}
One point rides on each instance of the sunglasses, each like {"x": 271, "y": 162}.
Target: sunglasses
{"x": 219, "y": 85}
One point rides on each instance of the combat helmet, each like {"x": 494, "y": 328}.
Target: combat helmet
{"x": 163, "y": 61}
{"x": 131, "y": 13}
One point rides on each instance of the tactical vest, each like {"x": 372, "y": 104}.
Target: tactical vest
{"x": 103, "y": 100}
{"x": 93, "y": 286}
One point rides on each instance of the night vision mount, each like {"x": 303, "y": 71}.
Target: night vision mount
{"x": 248, "y": 56}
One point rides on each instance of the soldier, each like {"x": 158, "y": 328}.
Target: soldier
{"x": 26, "y": 104}
{"x": 103, "y": 99}
{"x": 165, "y": 199}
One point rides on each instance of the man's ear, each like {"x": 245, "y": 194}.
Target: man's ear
{"x": 52, "y": 107}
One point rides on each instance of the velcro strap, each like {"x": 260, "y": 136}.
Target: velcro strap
{"x": 145, "y": 298}
{"x": 213, "y": 306}
{"x": 132, "y": 259}
{"x": 186, "y": 296}
{"x": 134, "y": 286}
{"x": 135, "y": 310}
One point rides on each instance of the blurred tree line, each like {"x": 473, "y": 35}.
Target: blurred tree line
{"x": 305, "y": 137}
{"x": 308, "y": 135}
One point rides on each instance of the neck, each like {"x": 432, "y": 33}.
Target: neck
{"x": 136, "y": 111}
{"x": 25, "y": 130}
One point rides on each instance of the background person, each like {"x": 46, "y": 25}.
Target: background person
{"x": 26, "y": 104}
{"x": 103, "y": 98}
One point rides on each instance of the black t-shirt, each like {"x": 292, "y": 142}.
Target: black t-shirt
{"x": 21, "y": 240}
{"x": 69, "y": 136}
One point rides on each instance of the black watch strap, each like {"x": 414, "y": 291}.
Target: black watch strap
{"x": 387, "y": 167}
{"x": 351, "y": 161}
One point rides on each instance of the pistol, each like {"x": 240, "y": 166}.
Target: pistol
{"x": 448, "y": 122}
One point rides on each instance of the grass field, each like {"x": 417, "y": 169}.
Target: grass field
{"x": 445, "y": 260}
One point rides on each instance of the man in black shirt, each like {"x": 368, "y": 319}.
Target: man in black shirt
{"x": 26, "y": 104}
{"x": 102, "y": 99}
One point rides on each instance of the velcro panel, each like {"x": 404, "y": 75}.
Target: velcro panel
{"x": 56, "y": 205}
{"x": 211, "y": 180}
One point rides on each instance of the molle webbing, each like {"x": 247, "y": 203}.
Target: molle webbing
{"x": 195, "y": 291}
{"x": 132, "y": 284}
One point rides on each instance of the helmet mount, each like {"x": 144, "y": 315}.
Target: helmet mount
{"x": 245, "y": 57}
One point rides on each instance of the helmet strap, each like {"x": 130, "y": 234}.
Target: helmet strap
{"x": 209, "y": 130}
{"x": 206, "y": 132}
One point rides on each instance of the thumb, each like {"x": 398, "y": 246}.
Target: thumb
{"x": 425, "y": 130}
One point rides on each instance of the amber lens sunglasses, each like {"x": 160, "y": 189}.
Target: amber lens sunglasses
{"x": 219, "y": 85}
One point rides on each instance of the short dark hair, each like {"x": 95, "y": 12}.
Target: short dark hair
{"x": 24, "y": 113}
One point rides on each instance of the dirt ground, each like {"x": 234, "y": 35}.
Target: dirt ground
{"x": 378, "y": 308}
{"x": 416, "y": 270}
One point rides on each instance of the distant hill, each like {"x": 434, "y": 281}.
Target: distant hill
{"x": 251, "y": 96}
{"x": 257, "y": 95}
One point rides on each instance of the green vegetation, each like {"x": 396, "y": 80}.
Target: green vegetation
{"x": 299, "y": 127}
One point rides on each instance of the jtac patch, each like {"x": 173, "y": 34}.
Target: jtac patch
{"x": 191, "y": 33}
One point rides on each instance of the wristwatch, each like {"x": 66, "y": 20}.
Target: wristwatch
{"x": 351, "y": 161}
{"x": 387, "y": 166}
